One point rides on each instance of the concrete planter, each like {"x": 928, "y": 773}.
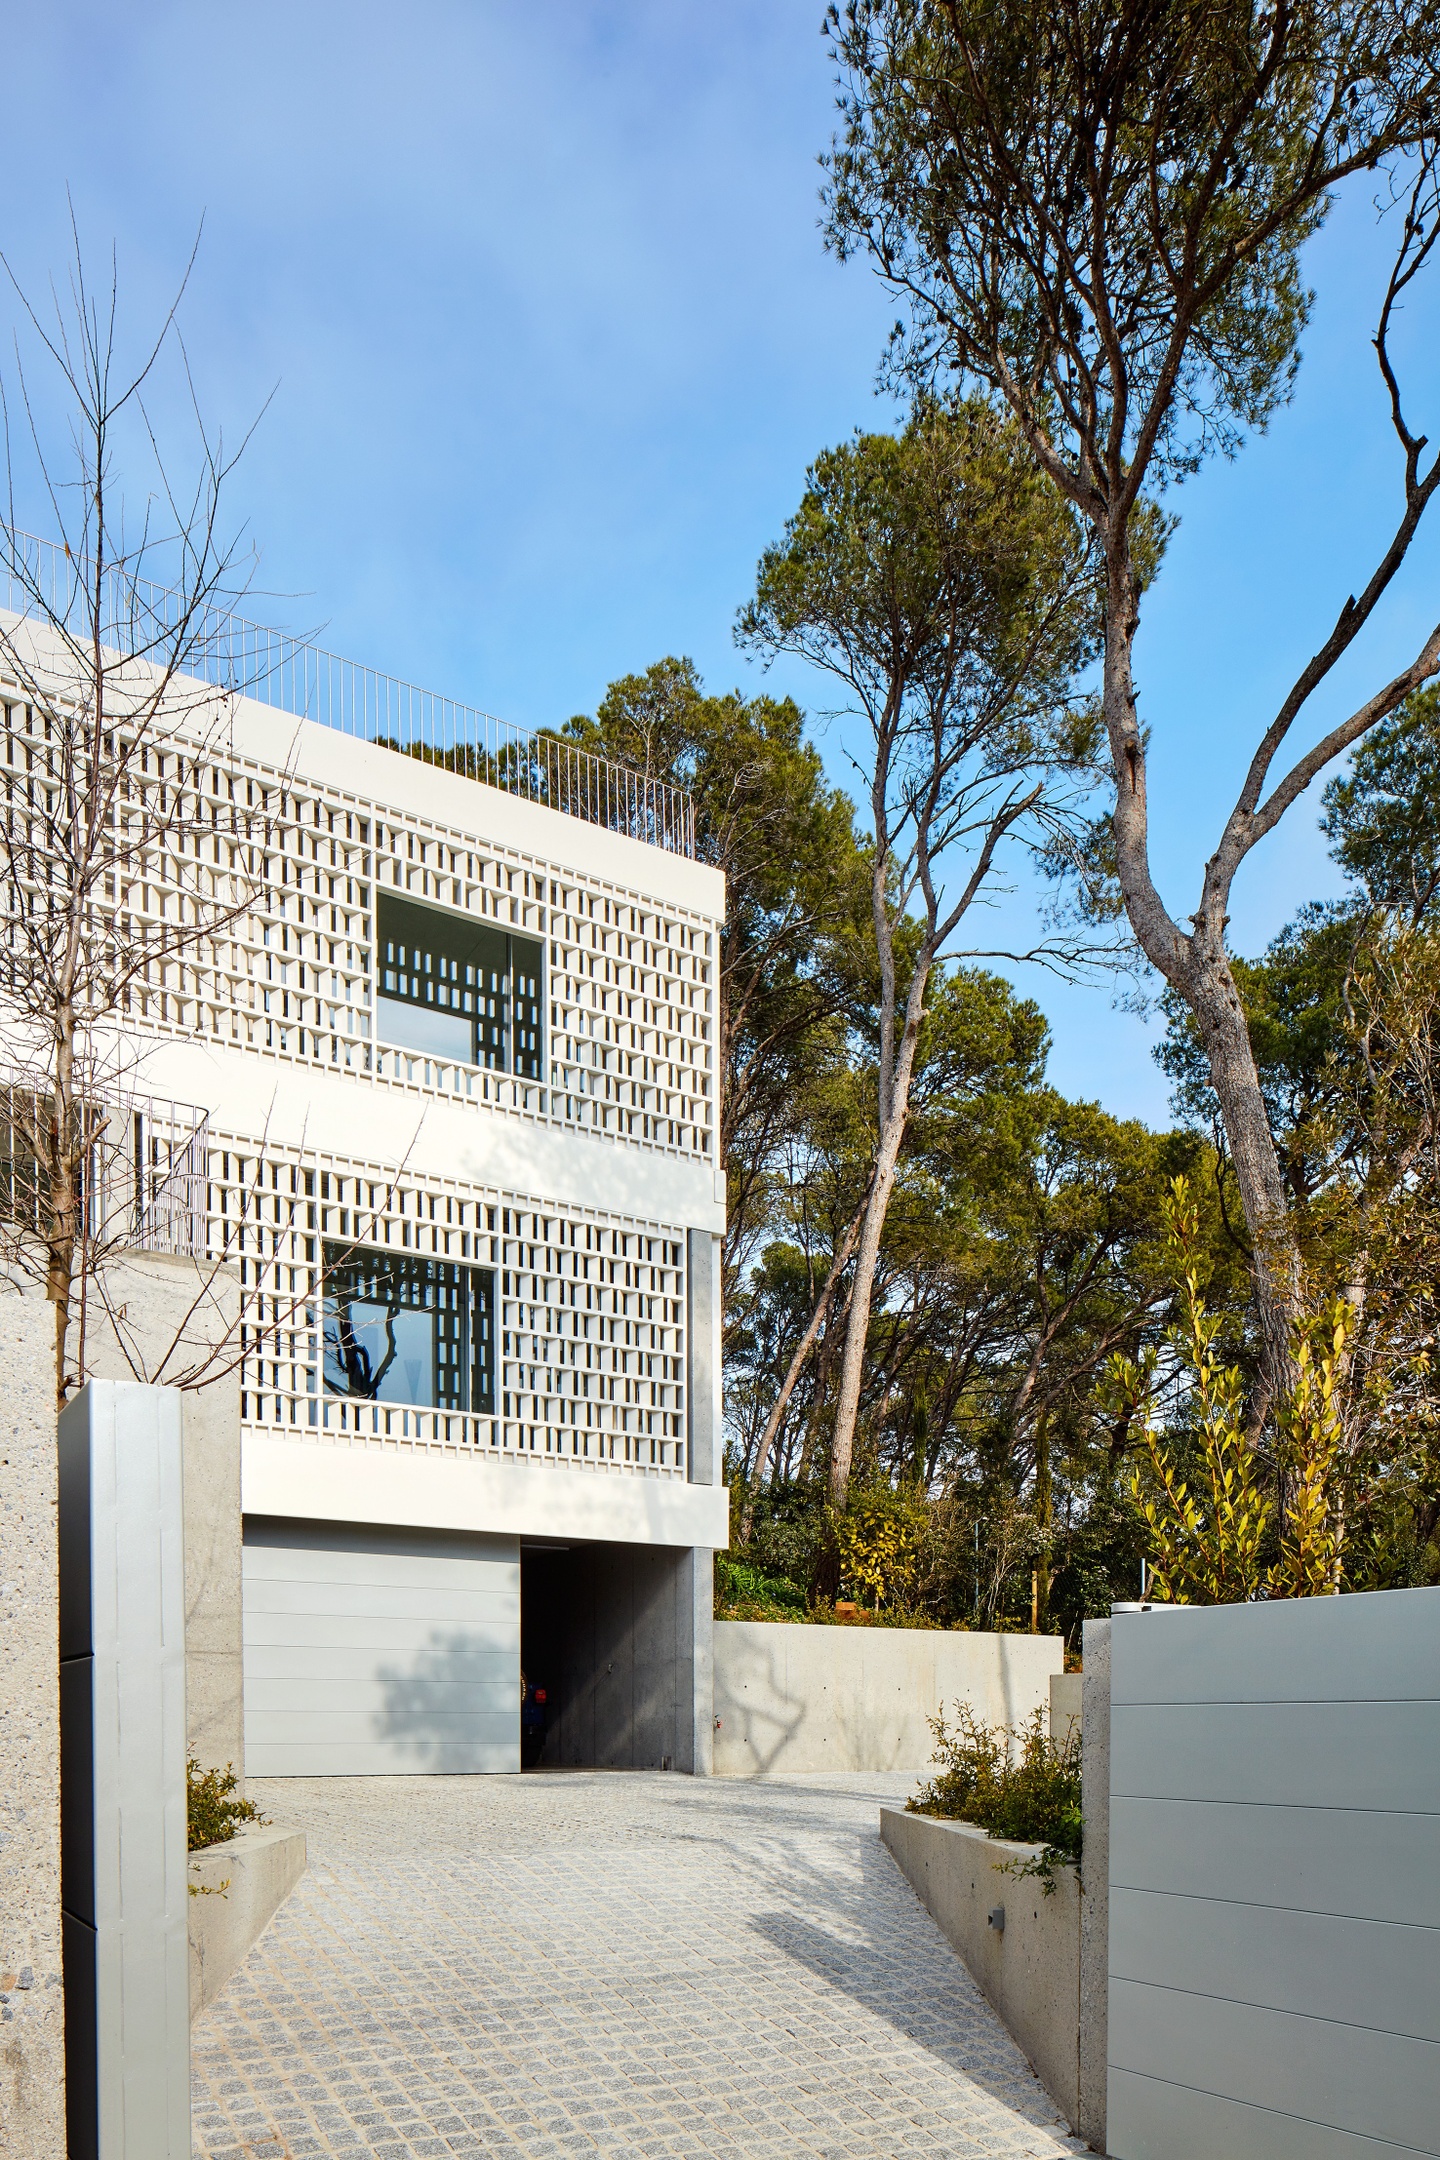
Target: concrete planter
{"x": 243, "y": 1882}
{"x": 1029, "y": 1969}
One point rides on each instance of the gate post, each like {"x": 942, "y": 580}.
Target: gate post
{"x": 122, "y": 1774}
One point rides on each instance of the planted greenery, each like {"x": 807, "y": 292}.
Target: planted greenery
{"x": 743, "y": 1592}
{"x": 212, "y": 1813}
{"x": 1014, "y": 1781}
{"x": 1210, "y": 1523}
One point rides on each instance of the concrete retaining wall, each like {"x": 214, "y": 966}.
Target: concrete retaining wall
{"x": 1066, "y": 1698}
{"x": 32, "y": 2042}
{"x": 241, "y": 1884}
{"x": 838, "y": 1698}
{"x": 1029, "y": 1969}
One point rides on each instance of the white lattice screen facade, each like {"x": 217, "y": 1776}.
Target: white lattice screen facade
{"x": 629, "y": 984}
{"x": 590, "y": 1312}
{"x": 604, "y": 1162}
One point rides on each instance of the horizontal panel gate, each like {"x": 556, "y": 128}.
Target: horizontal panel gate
{"x": 1274, "y": 1955}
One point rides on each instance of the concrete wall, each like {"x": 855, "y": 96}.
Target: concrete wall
{"x": 236, "y": 1889}
{"x": 1028, "y": 1967}
{"x": 32, "y": 2010}
{"x": 379, "y": 1652}
{"x": 1274, "y": 1894}
{"x": 159, "y": 1318}
{"x": 801, "y": 1698}
{"x": 620, "y": 1637}
{"x": 1066, "y": 1699}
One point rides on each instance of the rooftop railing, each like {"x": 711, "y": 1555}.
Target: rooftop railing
{"x": 143, "y": 618}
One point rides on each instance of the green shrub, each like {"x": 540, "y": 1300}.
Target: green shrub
{"x": 211, "y": 1815}
{"x": 1014, "y": 1781}
{"x": 743, "y": 1592}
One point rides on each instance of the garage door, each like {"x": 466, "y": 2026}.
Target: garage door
{"x": 378, "y": 1651}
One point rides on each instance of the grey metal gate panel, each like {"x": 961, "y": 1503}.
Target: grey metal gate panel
{"x": 377, "y": 1651}
{"x": 1275, "y": 1880}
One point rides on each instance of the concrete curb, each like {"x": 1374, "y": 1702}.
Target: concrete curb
{"x": 242, "y": 1883}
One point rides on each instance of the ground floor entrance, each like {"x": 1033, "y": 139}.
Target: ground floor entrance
{"x": 617, "y": 1640}
{"x": 385, "y": 1651}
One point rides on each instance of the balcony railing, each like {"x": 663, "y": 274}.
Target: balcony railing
{"x": 142, "y": 1168}
{"x": 297, "y": 677}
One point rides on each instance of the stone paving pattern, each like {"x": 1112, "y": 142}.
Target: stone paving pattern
{"x": 605, "y": 1963}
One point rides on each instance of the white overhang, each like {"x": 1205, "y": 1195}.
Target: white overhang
{"x": 497, "y": 1494}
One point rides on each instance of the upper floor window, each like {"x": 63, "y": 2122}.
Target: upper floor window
{"x": 459, "y": 988}
{"x": 399, "y": 1328}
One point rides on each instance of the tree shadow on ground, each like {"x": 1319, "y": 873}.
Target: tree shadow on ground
{"x": 930, "y": 1999}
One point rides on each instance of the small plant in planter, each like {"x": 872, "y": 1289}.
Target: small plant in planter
{"x": 212, "y": 1814}
{"x": 1015, "y": 1782}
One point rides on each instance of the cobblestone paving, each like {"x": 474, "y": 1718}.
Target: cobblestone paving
{"x": 604, "y": 1964}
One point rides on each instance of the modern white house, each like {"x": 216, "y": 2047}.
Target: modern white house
{"x": 458, "y": 1066}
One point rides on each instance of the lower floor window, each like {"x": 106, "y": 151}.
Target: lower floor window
{"x": 402, "y": 1329}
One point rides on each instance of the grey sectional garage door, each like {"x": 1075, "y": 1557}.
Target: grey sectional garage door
{"x": 379, "y": 1651}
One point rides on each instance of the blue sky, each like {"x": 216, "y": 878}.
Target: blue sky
{"x": 540, "y": 294}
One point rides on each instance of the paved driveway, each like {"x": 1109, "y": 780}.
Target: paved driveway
{"x": 608, "y": 1964}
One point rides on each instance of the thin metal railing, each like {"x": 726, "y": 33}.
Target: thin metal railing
{"x": 143, "y": 1170}
{"x": 301, "y": 678}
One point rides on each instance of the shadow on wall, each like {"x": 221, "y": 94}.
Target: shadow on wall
{"x": 447, "y": 1707}
{"x": 803, "y": 1697}
{"x": 771, "y": 1720}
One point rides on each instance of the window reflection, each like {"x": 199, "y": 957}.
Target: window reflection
{"x": 401, "y": 1329}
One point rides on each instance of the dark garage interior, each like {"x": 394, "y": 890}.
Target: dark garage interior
{"x": 609, "y": 1634}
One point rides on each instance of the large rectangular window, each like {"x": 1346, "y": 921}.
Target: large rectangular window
{"x": 459, "y": 988}
{"x": 402, "y": 1329}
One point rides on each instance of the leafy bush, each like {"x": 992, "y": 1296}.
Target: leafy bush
{"x": 879, "y": 1538}
{"x": 844, "y": 1614}
{"x": 743, "y": 1592}
{"x": 211, "y": 1815}
{"x": 1014, "y": 1781}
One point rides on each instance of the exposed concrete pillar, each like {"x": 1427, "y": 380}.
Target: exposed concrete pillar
{"x": 32, "y": 2004}
{"x": 696, "y": 1590}
{"x": 703, "y": 1367}
{"x": 1095, "y": 1879}
{"x": 162, "y": 1319}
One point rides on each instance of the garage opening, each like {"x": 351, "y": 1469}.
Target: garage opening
{"x": 608, "y": 1646}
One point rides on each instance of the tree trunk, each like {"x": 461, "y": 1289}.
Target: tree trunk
{"x": 1197, "y": 967}
{"x": 797, "y": 1366}
{"x": 63, "y": 1202}
{"x": 1274, "y": 1264}
{"x": 1044, "y": 1517}
{"x": 857, "y": 1332}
